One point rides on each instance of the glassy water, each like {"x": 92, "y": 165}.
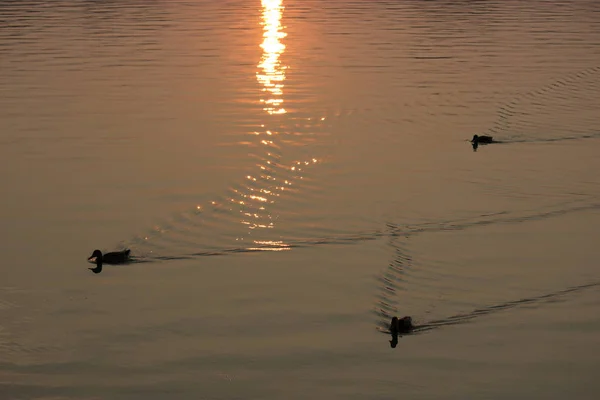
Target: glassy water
{"x": 289, "y": 175}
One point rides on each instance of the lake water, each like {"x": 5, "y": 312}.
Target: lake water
{"x": 289, "y": 175}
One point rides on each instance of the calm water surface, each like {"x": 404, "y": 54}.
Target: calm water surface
{"x": 290, "y": 174}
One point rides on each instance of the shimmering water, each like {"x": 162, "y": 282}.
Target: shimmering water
{"x": 290, "y": 175}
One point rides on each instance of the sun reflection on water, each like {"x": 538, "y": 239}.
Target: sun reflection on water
{"x": 264, "y": 186}
{"x": 253, "y": 207}
{"x": 256, "y": 198}
{"x": 272, "y": 72}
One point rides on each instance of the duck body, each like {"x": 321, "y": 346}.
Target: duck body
{"x": 401, "y": 325}
{"x": 115, "y": 257}
{"x": 481, "y": 139}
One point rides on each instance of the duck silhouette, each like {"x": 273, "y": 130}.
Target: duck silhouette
{"x": 481, "y": 139}
{"x": 115, "y": 257}
{"x": 399, "y": 326}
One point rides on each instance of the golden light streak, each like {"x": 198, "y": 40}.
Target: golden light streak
{"x": 272, "y": 73}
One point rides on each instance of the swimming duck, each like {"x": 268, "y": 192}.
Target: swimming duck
{"x": 401, "y": 325}
{"x": 115, "y": 257}
{"x": 483, "y": 139}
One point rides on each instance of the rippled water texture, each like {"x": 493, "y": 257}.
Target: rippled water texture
{"x": 289, "y": 175}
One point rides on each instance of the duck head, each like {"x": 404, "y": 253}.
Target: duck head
{"x": 97, "y": 255}
{"x": 475, "y": 142}
{"x": 394, "y": 332}
{"x": 394, "y": 325}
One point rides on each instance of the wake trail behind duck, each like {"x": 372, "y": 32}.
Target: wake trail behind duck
{"x": 167, "y": 245}
{"x": 485, "y": 311}
{"x": 541, "y": 115}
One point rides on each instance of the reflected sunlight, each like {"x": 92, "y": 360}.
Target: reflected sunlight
{"x": 272, "y": 73}
{"x": 270, "y": 76}
{"x": 259, "y": 192}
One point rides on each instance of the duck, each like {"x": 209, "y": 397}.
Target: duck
{"x": 483, "y": 139}
{"x": 115, "y": 257}
{"x": 400, "y": 326}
